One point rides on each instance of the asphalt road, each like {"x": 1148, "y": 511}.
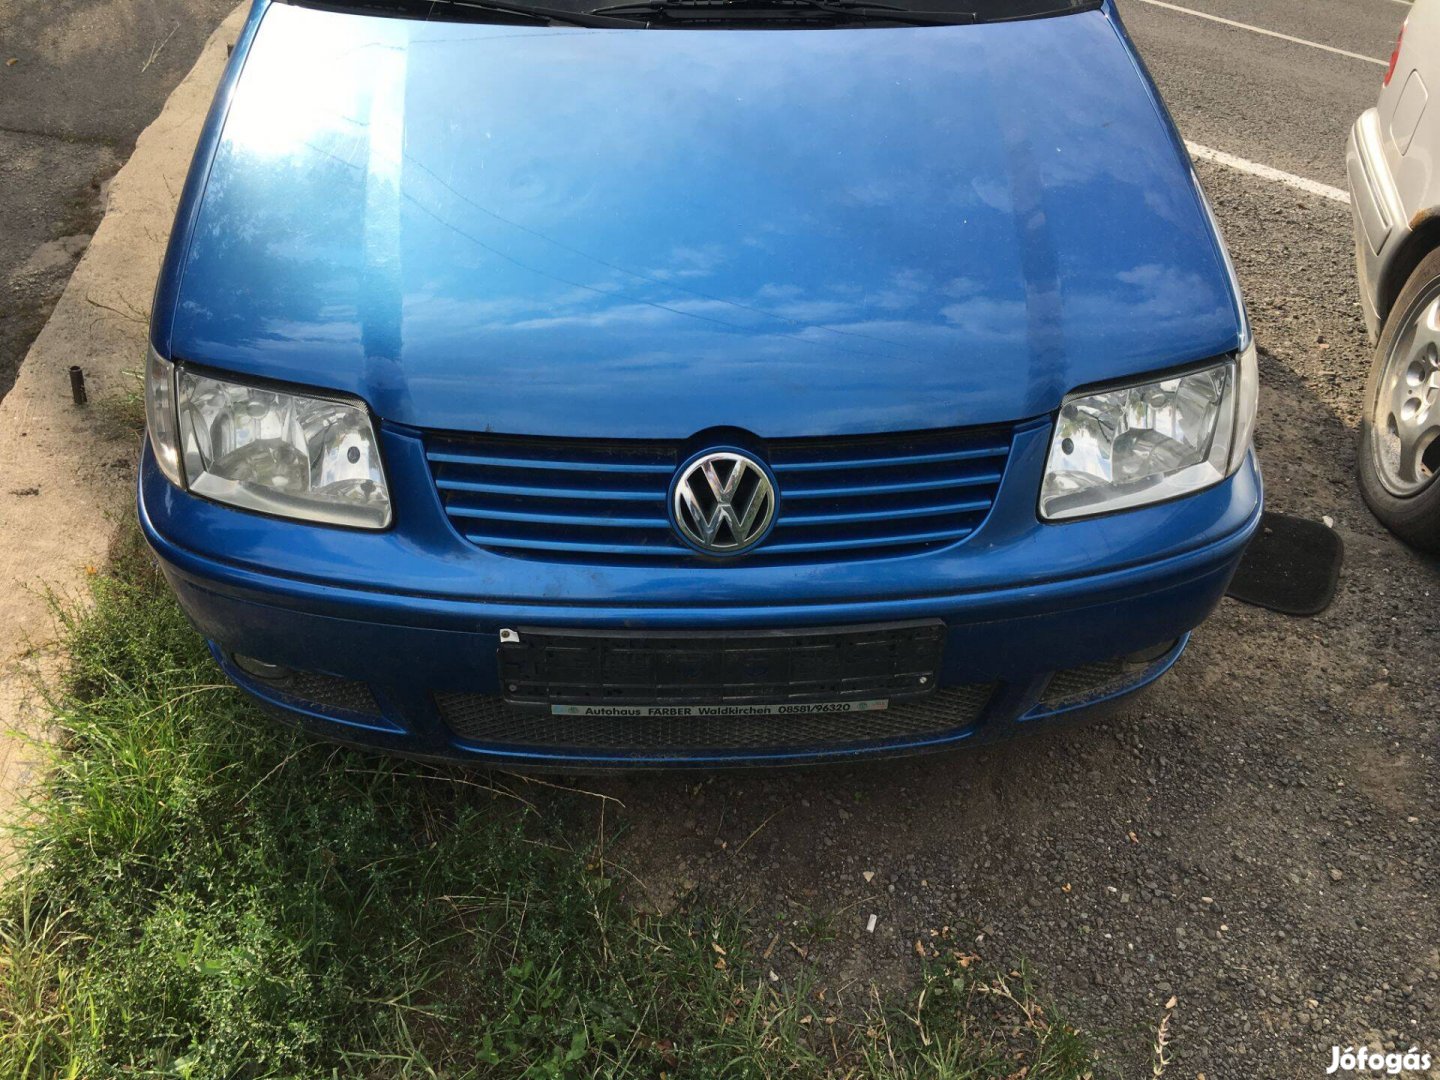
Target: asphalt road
{"x": 1277, "y": 102}
{"x": 79, "y": 80}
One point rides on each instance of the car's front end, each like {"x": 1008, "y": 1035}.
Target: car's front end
{"x": 547, "y": 396}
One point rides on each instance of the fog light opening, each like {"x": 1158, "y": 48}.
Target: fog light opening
{"x": 260, "y": 669}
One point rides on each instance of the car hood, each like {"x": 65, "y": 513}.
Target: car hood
{"x": 622, "y": 233}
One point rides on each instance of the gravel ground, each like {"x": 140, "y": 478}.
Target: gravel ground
{"x": 1255, "y": 837}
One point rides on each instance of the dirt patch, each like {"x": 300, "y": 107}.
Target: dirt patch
{"x": 68, "y": 471}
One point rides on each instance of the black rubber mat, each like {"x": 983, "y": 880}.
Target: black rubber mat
{"x": 1291, "y": 566}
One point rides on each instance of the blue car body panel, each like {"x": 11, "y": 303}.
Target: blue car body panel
{"x": 684, "y": 235}
{"x": 573, "y": 233}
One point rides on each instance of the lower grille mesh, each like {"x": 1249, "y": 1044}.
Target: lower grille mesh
{"x": 1076, "y": 684}
{"x": 330, "y": 692}
{"x": 485, "y": 719}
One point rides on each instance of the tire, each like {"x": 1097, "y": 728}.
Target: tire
{"x": 1399, "y": 462}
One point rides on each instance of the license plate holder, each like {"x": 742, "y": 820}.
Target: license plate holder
{"x": 850, "y": 669}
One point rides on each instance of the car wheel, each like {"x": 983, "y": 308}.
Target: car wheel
{"x": 1400, "y": 428}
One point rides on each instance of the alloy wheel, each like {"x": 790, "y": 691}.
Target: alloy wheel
{"x": 1405, "y": 414}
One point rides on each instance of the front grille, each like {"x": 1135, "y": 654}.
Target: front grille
{"x": 478, "y": 718}
{"x": 329, "y": 692}
{"x": 778, "y": 667}
{"x": 1077, "y": 684}
{"x": 863, "y": 497}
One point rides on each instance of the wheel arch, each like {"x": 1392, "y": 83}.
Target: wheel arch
{"x": 1423, "y": 239}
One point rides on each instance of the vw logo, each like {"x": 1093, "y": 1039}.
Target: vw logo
{"x": 723, "y": 502}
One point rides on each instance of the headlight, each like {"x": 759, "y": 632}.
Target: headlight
{"x": 160, "y": 416}
{"x": 281, "y": 453}
{"x": 1152, "y": 441}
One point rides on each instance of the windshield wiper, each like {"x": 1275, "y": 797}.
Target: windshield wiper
{"x": 781, "y": 10}
{"x": 475, "y": 10}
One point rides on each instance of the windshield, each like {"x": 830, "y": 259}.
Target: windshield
{"x": 713, "y": 14}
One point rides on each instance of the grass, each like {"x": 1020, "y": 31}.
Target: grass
{"x": 201, "y": 894}
{"x": 122, "y": 415}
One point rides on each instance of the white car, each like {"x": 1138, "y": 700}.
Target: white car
{"x": 1393, "y": 161}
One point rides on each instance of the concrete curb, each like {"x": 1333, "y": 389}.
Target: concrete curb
{"x": 64, "y": 480}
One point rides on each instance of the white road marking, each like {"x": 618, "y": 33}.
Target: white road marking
{"x": 1265, "y": 172}
{"x": 1267, "y": 33}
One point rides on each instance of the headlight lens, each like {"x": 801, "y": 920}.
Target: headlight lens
{"x": 160, "y": 416}
{"x": 276, "y": 452}
{"x": 1149, "y": 442}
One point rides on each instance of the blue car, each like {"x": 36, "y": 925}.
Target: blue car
{"x": 694, "y": 382}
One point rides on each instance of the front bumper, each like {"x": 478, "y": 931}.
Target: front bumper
{"x": 1040, "y": 621}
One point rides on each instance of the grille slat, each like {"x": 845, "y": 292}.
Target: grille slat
{"x": 446, "y": 458}
{"x": 856, "y": 497}
{"x": 534, "y": 491}
{"x": 659, "y": 547}
{"x": 539, "y": 517}
{"x": 940, "y": 483}
{"x": 900, "y": 540}
{"x": 909, "y": 459}
{"x": 855, "y": 516}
